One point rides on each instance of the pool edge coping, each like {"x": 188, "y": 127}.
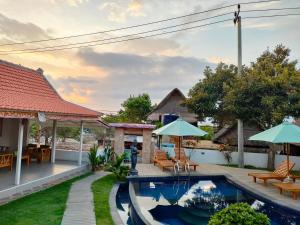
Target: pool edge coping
{"x": 113, "y": 205}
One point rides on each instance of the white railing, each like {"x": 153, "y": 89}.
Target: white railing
{"x": 70, "y": 155}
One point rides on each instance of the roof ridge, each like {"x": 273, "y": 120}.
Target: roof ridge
{"x": 17, "y": 66}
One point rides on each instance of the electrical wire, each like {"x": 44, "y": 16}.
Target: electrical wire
{"x": 152, "y": 35}
{"x": 144, "y": 32}
{"x": 138, "y": 25}
{"x": 112, "y": 38}
{"x": 130, "y": 39}
{"x": 139, "y": 33}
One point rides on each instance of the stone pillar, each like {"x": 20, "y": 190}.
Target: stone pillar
{"x": 146, "y": 152}
{"x": 119, "y": 141}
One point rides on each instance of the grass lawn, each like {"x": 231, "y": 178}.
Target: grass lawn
{"x": 101, "y": 189}
{"x": 42, "y": 208}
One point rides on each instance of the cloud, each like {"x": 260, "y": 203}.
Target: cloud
{"x": 14, "y": 30}
{"x": 73, "y": 3}
{"x": 135, "y": 8}
{"x": 129, "y": 74}
{"x": 159, "y": 46}
{"x": 118, "y": 12}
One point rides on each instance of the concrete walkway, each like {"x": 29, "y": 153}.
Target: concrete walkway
{"x": 80, "y": 204}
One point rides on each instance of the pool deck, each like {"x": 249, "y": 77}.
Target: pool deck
{"x": 240, "y": 176}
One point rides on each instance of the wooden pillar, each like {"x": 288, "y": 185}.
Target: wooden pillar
{"x": 146, "y": 152}
{"x": 19, "y": 153}
{"x": 119, "y": 141}
{"x": 53, "y": 141}
{"x": 81, "y": 144}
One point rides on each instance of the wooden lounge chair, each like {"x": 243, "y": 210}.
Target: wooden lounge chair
{"x": 293, "y": 188}
{"x": 280, "y": 173}
{"x": 161, "y": 159}
{"x": 185, "y": 161}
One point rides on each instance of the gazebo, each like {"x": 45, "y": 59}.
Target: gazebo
{"x": 26, "y": 94}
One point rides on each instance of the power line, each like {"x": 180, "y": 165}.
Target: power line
{"x": 273, "y": 9}
{"x": 144, "y": 32}
{"x": 135, "y": 26}
{"x": 130, "y": 39}
{"x": 112, "y": 38}
{"x": 159, "y": 34}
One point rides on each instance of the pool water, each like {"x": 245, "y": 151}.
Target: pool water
{"x": 193, "y": 201}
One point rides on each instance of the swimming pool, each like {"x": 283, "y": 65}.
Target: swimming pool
{"x": 192, "y": 200}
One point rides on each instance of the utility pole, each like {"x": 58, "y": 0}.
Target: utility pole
{"x": 238, "y": 21}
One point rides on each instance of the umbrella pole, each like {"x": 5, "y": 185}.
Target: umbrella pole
{"x": 288, "y": 158}
{"x": 179, "y": 146}
{"x": 288, "y": 179}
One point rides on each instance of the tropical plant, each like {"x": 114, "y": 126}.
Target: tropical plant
{"x": 108, "y": 153}
{"x": 226, "y": 150}
{"x": 117, "y": 167}
{"x": 93, "y": 158}
{"x": 239, "y": 214}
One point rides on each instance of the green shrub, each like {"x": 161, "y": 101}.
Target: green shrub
{"x": 239, "y": 214}
{"x": 117, "y": 167}
{"x": 94, "y": 159}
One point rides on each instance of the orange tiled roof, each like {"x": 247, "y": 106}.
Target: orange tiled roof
{"x": 24, "y": 89}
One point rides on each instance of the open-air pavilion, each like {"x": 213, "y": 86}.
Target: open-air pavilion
{"x": 25, "y": 95}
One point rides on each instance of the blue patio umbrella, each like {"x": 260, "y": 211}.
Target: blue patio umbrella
{"x": 284, "y": 133}
{"x": 179, "y": 128}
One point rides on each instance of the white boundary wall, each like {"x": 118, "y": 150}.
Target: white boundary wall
{"x": 254, "y": 159}
{"x": 72, "y": 155}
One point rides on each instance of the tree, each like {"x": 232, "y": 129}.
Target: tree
{"x": 206, "y": 98}
{"x": 68, "y": 132}
{"x": 264, "y": 94}
{"x": 267, "y": 93}
{"x": 135, "y": 110}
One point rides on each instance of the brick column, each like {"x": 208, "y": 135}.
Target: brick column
{"x": 119, "y": 141}
{"x": 146, "y": 154}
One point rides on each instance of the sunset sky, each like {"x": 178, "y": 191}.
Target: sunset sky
{"x": 101, "y": 77}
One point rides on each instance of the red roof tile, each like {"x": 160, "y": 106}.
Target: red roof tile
{"x": 25, "y": 89}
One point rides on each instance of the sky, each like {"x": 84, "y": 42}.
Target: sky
{"x": 102, "y": 77}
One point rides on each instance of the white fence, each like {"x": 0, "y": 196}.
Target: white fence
{"x": 254, "y": 159}
{"x": 70, "y": 155}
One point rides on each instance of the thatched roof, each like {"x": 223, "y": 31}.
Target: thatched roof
{"x": 172, "y": 104}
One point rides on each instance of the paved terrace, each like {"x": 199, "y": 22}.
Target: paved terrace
{"x": 240, "y": 176}
{"x": 33, "y": 172}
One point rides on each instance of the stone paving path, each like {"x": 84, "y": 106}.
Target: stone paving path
{"x": 80, "y": 204}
